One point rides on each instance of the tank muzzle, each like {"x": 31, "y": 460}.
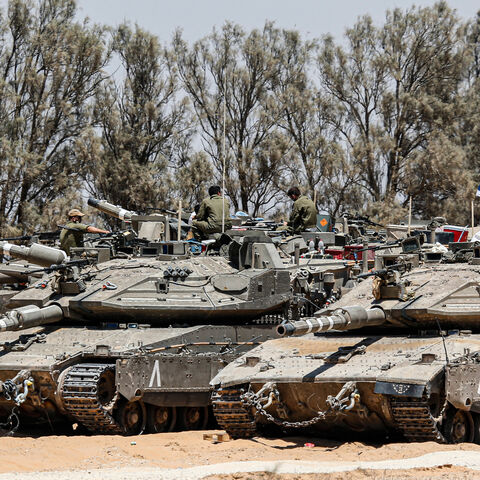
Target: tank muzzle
{"x": 347, "y": 318}
{"x": 29, "y": 316}
{"x": 36, "y": 253}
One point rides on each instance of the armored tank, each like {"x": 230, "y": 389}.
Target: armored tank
{"x": 397, "y": 355}
{"x": 131, "y": 342}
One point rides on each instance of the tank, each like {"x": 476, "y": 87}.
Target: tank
{"x": 397, "y": 355}
{"x": 130, "y": 342}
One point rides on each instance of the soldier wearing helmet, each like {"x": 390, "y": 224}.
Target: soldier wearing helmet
{"x": 71, "y": 235}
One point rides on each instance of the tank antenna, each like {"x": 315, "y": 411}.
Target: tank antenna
{"x": 443, "y": 340}
{"x": 223, "y": 148}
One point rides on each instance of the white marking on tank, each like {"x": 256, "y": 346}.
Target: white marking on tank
{"x": 122, "y": 213}
{"x": 330, "y": 322}
{"x": 155, "y": 373}
{"x": 310, "y": 326}
{"x": 6, "y": 248}
{"x": 3, "y": 325}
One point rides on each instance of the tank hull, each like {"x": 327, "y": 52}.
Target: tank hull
{"x": 154, "y": 371}
{"x": 387, "y": 385}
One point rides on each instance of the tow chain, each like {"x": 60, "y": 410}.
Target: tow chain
{"x": 12, "y": 423}
{"x": 12, "y": 391}
{"x": 341, "y": 402}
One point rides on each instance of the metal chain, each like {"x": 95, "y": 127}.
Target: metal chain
{"x": 12, "y": 423}
{"x": 251, "y": 400}
{"x": 335, "y": 404}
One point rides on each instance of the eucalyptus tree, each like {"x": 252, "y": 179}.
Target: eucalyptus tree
{"x": 398, "y": 85}
{"x": 314, "y": 160}
{"x": 50, "y": 67}
{"x": 143, "y": 122}
{"x": 231, "y": 77}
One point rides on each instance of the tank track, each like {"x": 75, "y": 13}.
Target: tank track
{"x": 231, "y": 413}
{"x": 79, "y": 394}
{"x": 414, "y": 419}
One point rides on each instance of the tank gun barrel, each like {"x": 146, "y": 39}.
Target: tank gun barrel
{"x": 29, "y": 316}
{"x": 347, "y": 318}
{"x": 110, "y": 209}
{"x": 37, "y": 254}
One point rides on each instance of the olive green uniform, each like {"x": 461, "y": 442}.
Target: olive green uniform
{"x": 72, "y": 236}
{"x": 209, "y": 216}
{"x": 303, "y": 216}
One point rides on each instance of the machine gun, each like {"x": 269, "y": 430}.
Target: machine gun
{"x": 62, "y": 266}
{"x": 361, "y": 220}
{"x": 346, "y": 318}
{"x": 387, "y": 272}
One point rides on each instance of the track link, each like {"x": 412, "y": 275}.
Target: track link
{"x": 232, "y": 414}
{"x": 81, "y": 399}
{"x": 414, "y": 419}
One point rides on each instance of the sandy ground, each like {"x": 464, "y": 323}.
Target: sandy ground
{"x": 187, "y": 455}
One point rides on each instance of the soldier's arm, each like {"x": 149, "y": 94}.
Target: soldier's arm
{"x": 91, "y": 229}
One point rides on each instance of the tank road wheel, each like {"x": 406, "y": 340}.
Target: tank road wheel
{"x": 192, "y": 418}
{"x": 459, "y": 426}
{"x": 132, "y": 417}
{"x": 161, "y": 419}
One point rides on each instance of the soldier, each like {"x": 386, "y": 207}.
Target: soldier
{"x": 304, "y": 213}
{"x": 209, "y": 216}
{"x": 72, "y": 235}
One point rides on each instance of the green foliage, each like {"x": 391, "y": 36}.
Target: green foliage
{"x": 144, "y": 130}
{"x": 50, "y": 67}
{"x": 388, "y": 114}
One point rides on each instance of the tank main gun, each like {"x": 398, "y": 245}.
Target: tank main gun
{"x": 29, "y": 316}
{"x": 346, "y": 318}
{"x": 110, "y": 209}
{"x": 37, "y": 254}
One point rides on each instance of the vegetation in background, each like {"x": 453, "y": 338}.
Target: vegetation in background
{"x": 388, "y": 114}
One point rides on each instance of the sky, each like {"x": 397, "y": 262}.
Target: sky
{"x": 313, "y": 18}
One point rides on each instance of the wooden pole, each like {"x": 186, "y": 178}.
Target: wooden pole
{"x": 315, "y": 198}
{"x": 179, "y": 231}
{"x": 409, "y": 215}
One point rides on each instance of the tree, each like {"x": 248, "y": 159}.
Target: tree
{"x": 398, "y": 85}
{"x": 50, "y": 67}
{"x": 145, "y": 129}
{"x": 232, "y": 70}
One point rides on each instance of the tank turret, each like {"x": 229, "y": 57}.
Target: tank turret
{"x": 37, "y": 254}
{"x": 153, "y": 228}
{"x": 347, "y": 318}
{"x": 131, "y": 343}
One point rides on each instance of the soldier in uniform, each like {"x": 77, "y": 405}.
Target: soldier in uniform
{"x": 72, "y": 235}
{"x": 304, "y": 213}
{"x": 209, "y": 216}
